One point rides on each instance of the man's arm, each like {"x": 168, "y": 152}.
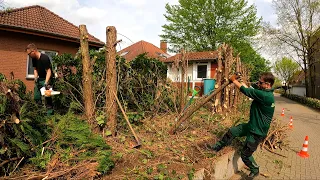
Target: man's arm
{"x": 48, "y": 75}
{"x": 251, "y": 93}
{"x": 35, "y": 72}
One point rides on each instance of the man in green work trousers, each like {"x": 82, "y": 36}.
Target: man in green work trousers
{"x": 42, "y": 75}
{"x": 261, "y": 113}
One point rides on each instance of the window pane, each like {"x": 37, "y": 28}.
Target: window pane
{"x": 50, "y": 54}
{"x": 30, "y": 67}
{"x": 202, "y": 71}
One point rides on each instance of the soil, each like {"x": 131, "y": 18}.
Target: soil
{"x": 165, "y": 156}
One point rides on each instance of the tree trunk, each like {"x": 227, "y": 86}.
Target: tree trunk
{"x": 111, "y": 76}
{"x": 87, "y": 75}
{"x": 182, "y": 84}
{"x": 217, "y": 103}
{"x": 195, "y": 106}
{"x": 226, "y": 50}
{"x": 237, "y": 91}
{"x": 306, "y": 78}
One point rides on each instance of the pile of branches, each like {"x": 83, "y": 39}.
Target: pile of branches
{"x": 276, "y": 137}
{"x": 55, "y": 147}
{"x": 21, "y": 126}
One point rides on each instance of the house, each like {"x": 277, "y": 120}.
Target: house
{"x": 315, "y": 66}
{"x": 35, "y": 24}
{"x": 297, "y": 84}
{"x": 201, "y": 65}
{"x": 152, "y": 51}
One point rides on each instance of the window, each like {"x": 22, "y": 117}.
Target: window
{"x": 202, "y": 71}
{"x": 30, "y": 73}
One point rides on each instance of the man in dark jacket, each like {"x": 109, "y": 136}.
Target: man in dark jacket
{"x": 42, "y": 75}
{"x": 261, "y": 114}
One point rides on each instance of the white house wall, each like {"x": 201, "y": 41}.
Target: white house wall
{"x": 298, "y": 90}
{"x": 174, "y": 74}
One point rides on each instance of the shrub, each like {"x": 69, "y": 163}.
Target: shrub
{"x": 311, "y": 102}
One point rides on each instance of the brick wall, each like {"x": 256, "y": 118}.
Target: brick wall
{"x": 14, "y": 59}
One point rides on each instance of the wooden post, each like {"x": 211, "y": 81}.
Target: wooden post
{"x": 195, "y": 106}
{"x": 237, "y": 91}
{"x": 87, "y": 75}
{"x": 111, "y": 76}
{"x": 182, "y": 84}
{"x": 227, "y": 67}
{"x": 219, "y": 76}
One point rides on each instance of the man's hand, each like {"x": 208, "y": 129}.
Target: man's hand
{"x": 47, "y": 86}
{"x": 235, "y": 77}
{"x": 36, "y": 80}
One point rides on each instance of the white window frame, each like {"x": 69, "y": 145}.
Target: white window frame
{"x": 195, "y": 70}
{"x": 31, "y": 76}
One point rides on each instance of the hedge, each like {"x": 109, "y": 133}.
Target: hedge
{"x": 311, "y": 102}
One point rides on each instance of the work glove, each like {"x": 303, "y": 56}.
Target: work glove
{"x": 47, "y": 86}
{"x": 235, "y": 76}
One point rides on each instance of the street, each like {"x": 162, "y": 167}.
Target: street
{"x": 306, "y": 122}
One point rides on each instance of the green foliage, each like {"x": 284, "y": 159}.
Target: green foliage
{"x": 311, "y": 102}
{"x": 277, "y": 83}
{"x": 142, "y": 83}
{"x": 20, "y": 138}
{"x": 2, "y": 77}
{"x": 203, "y": 25}
{"x": 200, "y": 25}
{"x": 74, "y": 142}
{"x": 285, "y": 68}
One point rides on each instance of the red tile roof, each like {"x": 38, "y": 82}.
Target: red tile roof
{"x": 41, "y": 20}
{"x": 194, "y": 56}
{"x": 131, "y": 52}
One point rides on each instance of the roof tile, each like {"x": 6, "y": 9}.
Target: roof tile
{"x": 194, "y": 56}
{"x": 141, "y": 47}
{"x": 41, "y": 19}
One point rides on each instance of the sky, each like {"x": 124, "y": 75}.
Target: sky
{"x": 134, "y": 20}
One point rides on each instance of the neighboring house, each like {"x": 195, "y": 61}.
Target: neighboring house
{"x": 152, "y": 51}
{"x": 201, "y": 65}
{"x": 35, "y": 24}
{"x": 315, "y": 66}
{"x": 297, "y": 84}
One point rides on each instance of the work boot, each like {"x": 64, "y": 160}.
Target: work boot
{"x": 252, "y": 175}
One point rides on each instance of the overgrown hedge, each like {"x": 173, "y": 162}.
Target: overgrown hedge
{"x": 311, "y": 102}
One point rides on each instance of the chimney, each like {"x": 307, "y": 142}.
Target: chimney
{"x": 163, "y": 45}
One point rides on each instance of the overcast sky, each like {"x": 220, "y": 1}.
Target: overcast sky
{"x": 135, "y": 19}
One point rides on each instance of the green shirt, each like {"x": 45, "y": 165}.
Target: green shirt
{"x": 261, "y": 110}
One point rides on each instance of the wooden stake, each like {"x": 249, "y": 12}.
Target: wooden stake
{"x": 219, "y": 76}
{"x": 111, "y": 77}
{"x": 87, "y": 75}
{"x": 182, "y": 84}
{"x": 195, "y": 106}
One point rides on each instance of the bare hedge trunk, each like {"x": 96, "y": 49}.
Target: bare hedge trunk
{"x": 217, "y": 103}
{"x": 87, "y": 75}
{"x": 111, "y": 106}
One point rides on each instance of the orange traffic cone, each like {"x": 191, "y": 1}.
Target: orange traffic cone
{"x": 282, "y": 113}
{"x": 304, "y": 151}
{"x": 291, "y": 123}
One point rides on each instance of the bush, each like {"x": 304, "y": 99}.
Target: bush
{"x": 142, "y": 85}
{"x": 311, "y": 102}
{"x": 22, "y": 125}
{"x": 72, "y": 142}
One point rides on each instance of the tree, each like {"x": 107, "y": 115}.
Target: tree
{"x": 298, "y": 21}
{"x": 200, "y": 25}
{"x": 285, "y": 68}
